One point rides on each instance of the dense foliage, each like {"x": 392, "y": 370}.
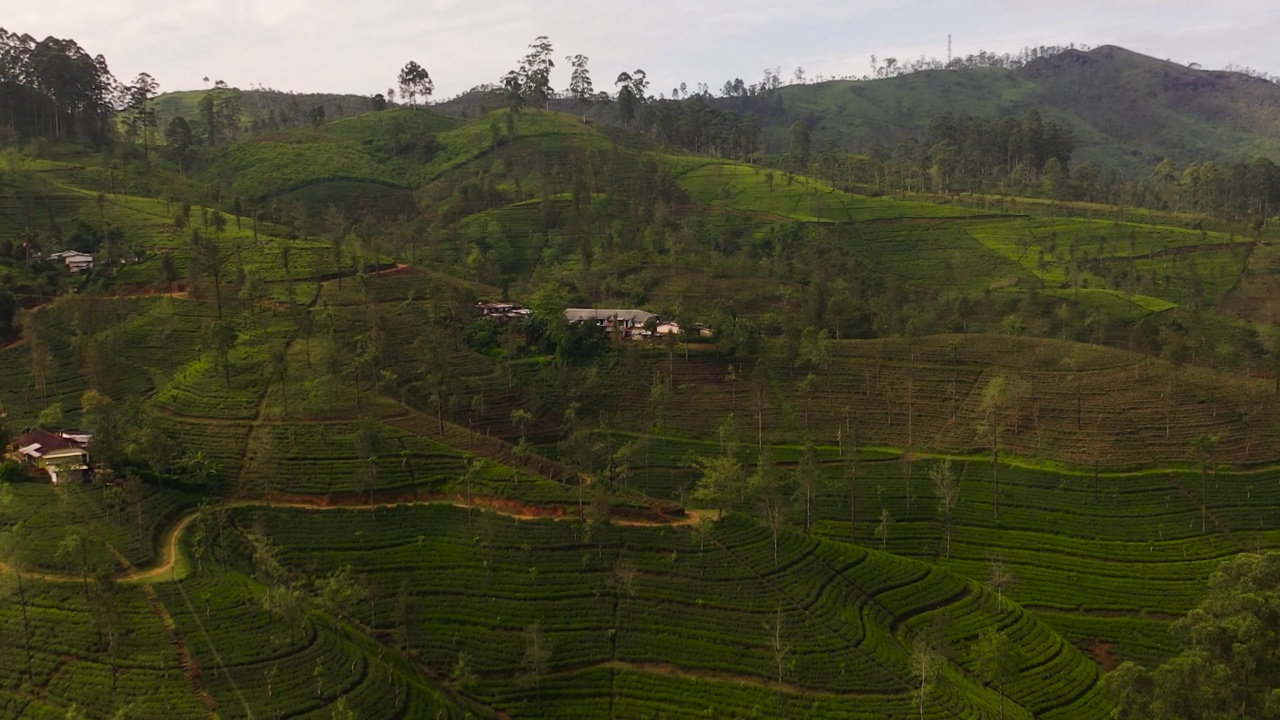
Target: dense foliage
{"x": 54, "y": 88}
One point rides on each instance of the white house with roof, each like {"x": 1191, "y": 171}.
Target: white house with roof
{"x": 77, "y": 262}
{"x": 64, "y": 454}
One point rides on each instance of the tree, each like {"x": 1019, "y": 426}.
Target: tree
{"x": 851, "y": 488}
{"x": 473, "y": 469}
{"x": 777, "y": 646}
{"x": 993, "y": 405}
{"x": 999, "y": 576}
{"x": 414, "y": 81}
{"x": 206, "y": 259}
{"x": 1203, "y": 448}
{"x": 536, "y": 659}
{"x": 926, "y": 666}
{"x": 221, "y": 339}
{"x": 997, "y": 659}
{"x": 580, "y": 88}
{"x": 339, "y": 593}
{"x": 800, "y": 146}
{"x": 462, "y": 675}
{"x": 51, "y": 417}
{"x": 73, "y": 547}
{"x": 623, "y": 578}
{"x": 436, "y": 370}
{"x": 882, "y": 529}
{"x": 718, "y": 483}
{"x": 721, "y": 482}
{"x": 1230, "y": 659}
{"x": 631, "y": 94}
{"x": 12, "y": 556}
{"x": 767, "y": 485}
{"x": 512, "y": 90}
{"x": 278, "y": 371}
{"x": 207, "y": 108}
{"x": 197, "y": 469}
{"x": 808, "y": 481}
{"x": 945, "y": 487}
{"x": 535, "y": 73}
{"x": 99, "y": 413}
{"x": 143, "y": 116}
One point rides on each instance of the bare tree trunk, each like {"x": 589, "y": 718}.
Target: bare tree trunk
{"x": 26, "y": 624}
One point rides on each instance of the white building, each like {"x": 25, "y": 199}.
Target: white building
{"x": 76, "y": 261}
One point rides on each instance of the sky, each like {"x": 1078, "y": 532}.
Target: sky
{"x": 359, "y": 47}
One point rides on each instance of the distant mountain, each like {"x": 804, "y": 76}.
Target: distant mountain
{"x": 1128, "y": 111}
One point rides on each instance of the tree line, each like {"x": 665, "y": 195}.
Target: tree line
{"x": 1032, "y": 156}
{"x": 54, "y": 88}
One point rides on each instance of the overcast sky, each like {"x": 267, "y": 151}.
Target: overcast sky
{"x": 359, "y": 46}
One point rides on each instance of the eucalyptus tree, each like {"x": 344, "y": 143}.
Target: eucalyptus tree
{"x": 143, "y": 117}
{"x": 580, "y": 87}
{"x": 414, "y": 80}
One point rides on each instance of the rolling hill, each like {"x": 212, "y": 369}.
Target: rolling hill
{"x": 1128, "y": 111}
{"x": 340, "y": 494}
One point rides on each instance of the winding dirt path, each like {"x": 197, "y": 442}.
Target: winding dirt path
{"x": 172, "y": 564}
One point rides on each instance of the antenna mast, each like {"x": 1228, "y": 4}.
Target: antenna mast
{"x": 948, "y": 49}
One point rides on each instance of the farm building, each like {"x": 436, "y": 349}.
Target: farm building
{"x": 76, "y": 262}
{"x": 610, "y": 319}
{"x": 668, "y": 327}
{"x": 502, "y": 311}
{"x": 64, "y": 455}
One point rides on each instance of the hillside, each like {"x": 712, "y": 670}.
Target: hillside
{"x": 1127, "y": 111}
{"x": 336, "y": 492}
{"x": 258, "y": 105}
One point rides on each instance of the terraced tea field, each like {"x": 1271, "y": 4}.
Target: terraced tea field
{"x": 654, "y": 609}
{"x": 1068, "y": 402}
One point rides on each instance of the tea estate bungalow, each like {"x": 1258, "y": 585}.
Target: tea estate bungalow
{"x": 64, "y": 454}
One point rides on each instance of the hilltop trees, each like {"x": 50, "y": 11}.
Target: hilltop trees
{"x": 800, "y": 146}
{"x": 180, "y": 140}
{"x": 530, "y": 83}
{"x": 580, "y": 87}
{"x": 220, "y": 109}
{"x": 965, "y": 151}
{"x": 414, "y": 80}
{"x": 143, "y": 118}
{"x": 631, "y": 94}
{"x": 54, "y": 88}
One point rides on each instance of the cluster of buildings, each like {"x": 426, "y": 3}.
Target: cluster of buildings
{"x": 634, "y": 324}
{"x": 64, "y": 454}
{"x": 629, "y": 322}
